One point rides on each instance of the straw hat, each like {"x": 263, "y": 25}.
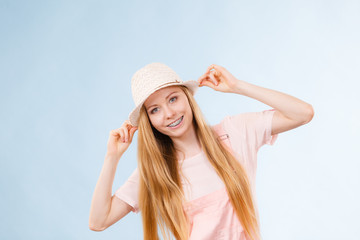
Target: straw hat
{"x": 151, "y": 78}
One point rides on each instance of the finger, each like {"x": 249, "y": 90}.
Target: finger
{"x": 122, "y": 134}
{"x": 203, "y": 80}
{"x": 114, "y": 133}
{"x": 132, "y": 131}
{"x": 207, "y": 78}
{"x": 212, "y": 66}
{"x": 129, "y": 125}
{"x": 216, "y": 69}
{"x": 126, "y": 131}
{"x": 213, "y": 79}
{"x": 126, "y": 124}
{"x": 202, "y": 77}
{"x": 217, "y": 73}
{"x": 208, "y": 84}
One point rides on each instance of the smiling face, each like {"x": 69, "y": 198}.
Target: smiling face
{"x": 169, "y": 111}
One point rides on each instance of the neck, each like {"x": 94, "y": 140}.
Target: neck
{"x": 187, "y": 145}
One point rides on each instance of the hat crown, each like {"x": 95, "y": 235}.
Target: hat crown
{"x": 151, "y": 77}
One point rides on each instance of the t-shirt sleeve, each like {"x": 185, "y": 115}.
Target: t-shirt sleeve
{"x": 255, "y": 127}
{"x": 128, "y": 192}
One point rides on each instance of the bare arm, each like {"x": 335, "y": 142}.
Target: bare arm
{"x": 106, "y": 209}
{"x": 290, "y": 112}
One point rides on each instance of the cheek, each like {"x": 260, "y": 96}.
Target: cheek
{"x": 190, "y": 114}
{"x": 188, "y": 109}
{"x": 155, "y": 120}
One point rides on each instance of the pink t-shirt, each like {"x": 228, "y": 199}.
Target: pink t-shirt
{"x": 208, "y": 206}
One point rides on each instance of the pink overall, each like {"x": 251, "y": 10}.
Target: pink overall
{"x": 213, "y": 217}
{"x": 208, "y": 207}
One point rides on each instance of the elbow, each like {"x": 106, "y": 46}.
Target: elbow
{"x": 309, "y": 114}
{"x": 96, "y": 228}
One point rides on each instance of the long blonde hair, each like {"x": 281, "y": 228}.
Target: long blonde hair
{"x": 161, "y": 194}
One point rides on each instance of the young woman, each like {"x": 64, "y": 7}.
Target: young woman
{"x": 194, "y": 181}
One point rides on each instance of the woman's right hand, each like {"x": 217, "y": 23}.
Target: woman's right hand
{"x": 120, "y": 139}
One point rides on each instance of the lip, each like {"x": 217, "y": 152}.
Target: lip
{"x": 177, "y": 126}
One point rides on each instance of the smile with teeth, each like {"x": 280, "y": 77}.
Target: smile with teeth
{"x": 177, "y": 122}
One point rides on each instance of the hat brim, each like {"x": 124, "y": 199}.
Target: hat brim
{"x": 192, "y": 85}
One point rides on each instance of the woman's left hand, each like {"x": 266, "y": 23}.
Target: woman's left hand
{"x": 219, "y": 79}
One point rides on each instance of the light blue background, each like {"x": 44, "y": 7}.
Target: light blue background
{"x": 65, "y": 70}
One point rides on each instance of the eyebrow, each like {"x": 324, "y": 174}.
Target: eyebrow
{"x": 165, "y": 98}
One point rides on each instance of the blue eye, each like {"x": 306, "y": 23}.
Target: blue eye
{"x": 154, "y": 110}
{"x": 173, "y": 99}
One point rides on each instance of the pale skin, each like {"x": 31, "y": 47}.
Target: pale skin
{"x": 166, "y": 106}
{"x": 290, "y": 113}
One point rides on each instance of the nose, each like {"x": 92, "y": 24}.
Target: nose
{"x": 169, "y": 112}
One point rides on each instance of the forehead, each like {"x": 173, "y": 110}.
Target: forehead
{"x": 161, "y": 94}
